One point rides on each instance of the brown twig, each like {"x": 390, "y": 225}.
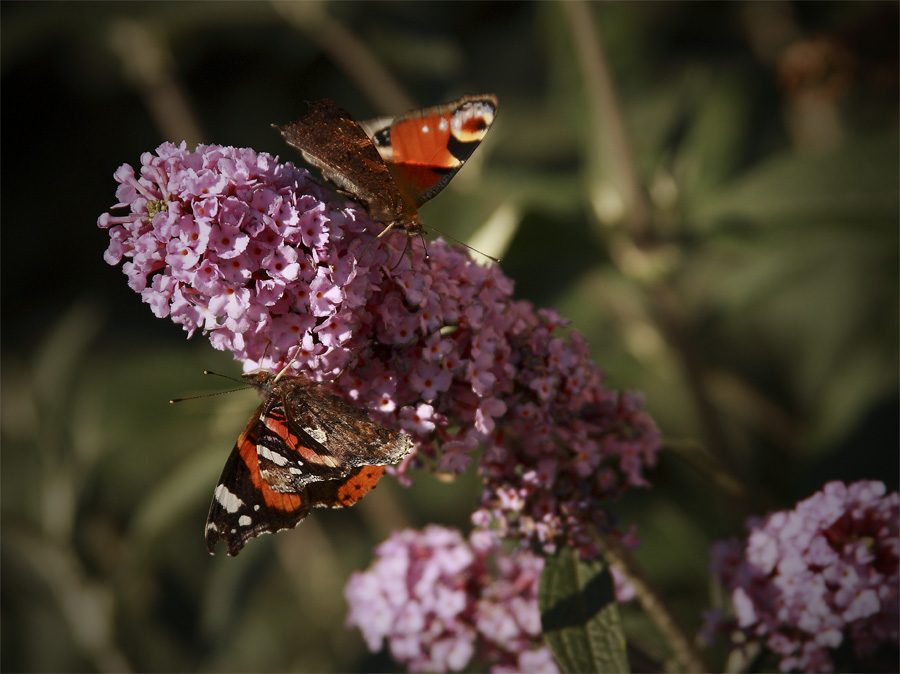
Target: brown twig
{"x": 148, "y": 65}
{"x": 683, "y": 650}
{"x": 638, "y": 218}
{"x": 349, "y": 54}
{"x": 641, "y": 241}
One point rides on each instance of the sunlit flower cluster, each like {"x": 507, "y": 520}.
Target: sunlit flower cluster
{"x": 808, "y": 580}
{"x": 253, "y": 254}
{"x": 439, "y": 601}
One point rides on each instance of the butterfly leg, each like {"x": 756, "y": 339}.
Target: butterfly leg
{"x": 373, "y": 240}
{"x": 405, "y": 248}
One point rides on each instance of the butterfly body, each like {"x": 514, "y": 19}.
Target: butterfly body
{"x": 304, "y": 447}
{"x": 393, "y": 165}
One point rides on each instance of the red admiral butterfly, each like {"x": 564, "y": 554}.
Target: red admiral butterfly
{"x": 304, "y": 447}
{"x": 393, "y": 165}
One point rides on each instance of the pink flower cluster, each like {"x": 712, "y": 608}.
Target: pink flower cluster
{"x": 245, "y": 249}
{"x": 441, "y": 601}
{"x": 808, "y": 579}
{"x": 253, "y": 254}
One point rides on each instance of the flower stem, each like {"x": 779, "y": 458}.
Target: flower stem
{"x": 686, "y": 654}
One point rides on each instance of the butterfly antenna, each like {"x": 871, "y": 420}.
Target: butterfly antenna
{"x": 225, "y": 376}
{"x": 209, "y": 395}
{"x": 287, "y": 367}
{"x": 403, "y": 252}
{"x": 244, "y": 387}
{"x": 462, "y": 243}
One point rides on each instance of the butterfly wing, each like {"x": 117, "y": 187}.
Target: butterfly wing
{"x": 346, "y": 433}
{"x": 308, "y": 434}
{"x": 293, "y": 451}
{"x": 347, "y": 491}
{"x": 236, "y": 520}
{"x": 424, "y": 149}
{"x": 331, "y": 140}
{"x": 303, "y": 447}
{"x": 244, "y": 506}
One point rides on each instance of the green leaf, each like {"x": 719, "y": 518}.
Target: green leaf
{"x": 855, "y": 183}
{"x": 580, "y": 616}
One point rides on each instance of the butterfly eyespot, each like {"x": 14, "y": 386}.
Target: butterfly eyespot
{"x": 392, "y": 165}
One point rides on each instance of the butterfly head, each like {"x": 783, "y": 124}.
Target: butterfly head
{"x": 261, "y": 380}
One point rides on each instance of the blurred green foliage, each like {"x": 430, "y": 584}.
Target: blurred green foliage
{"x": 753, "y": 300}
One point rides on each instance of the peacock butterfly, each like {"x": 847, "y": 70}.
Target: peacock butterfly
{"x": 393, "y": 165}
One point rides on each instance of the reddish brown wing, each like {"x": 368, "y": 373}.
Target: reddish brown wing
{"x": 339, "y": 429}
{"x": 331, "y": 140}
{"x": 244, "y": 505}
{"x": 303, "y": 447}
{"x": 308, "y": 434}
{"x": 424, "y": 149}
{"x": 288, "y": 457}
{"x": 346, "y": 492}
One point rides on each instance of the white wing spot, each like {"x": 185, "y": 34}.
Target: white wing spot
{"x": 425, "y": 128}
{"x": 316, "y": 434}
{"x": 405, "y": 443}
{"x": 256, "y": 507}
{"x": 443, "y": 124}
{"x": 227, "y": 500}
{"x": 275, "y": 458}
{"x": 212, "y": 527}
{"x": 245, "y": 521}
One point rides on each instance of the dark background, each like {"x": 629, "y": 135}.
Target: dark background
{"x": 760, "y": 318}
